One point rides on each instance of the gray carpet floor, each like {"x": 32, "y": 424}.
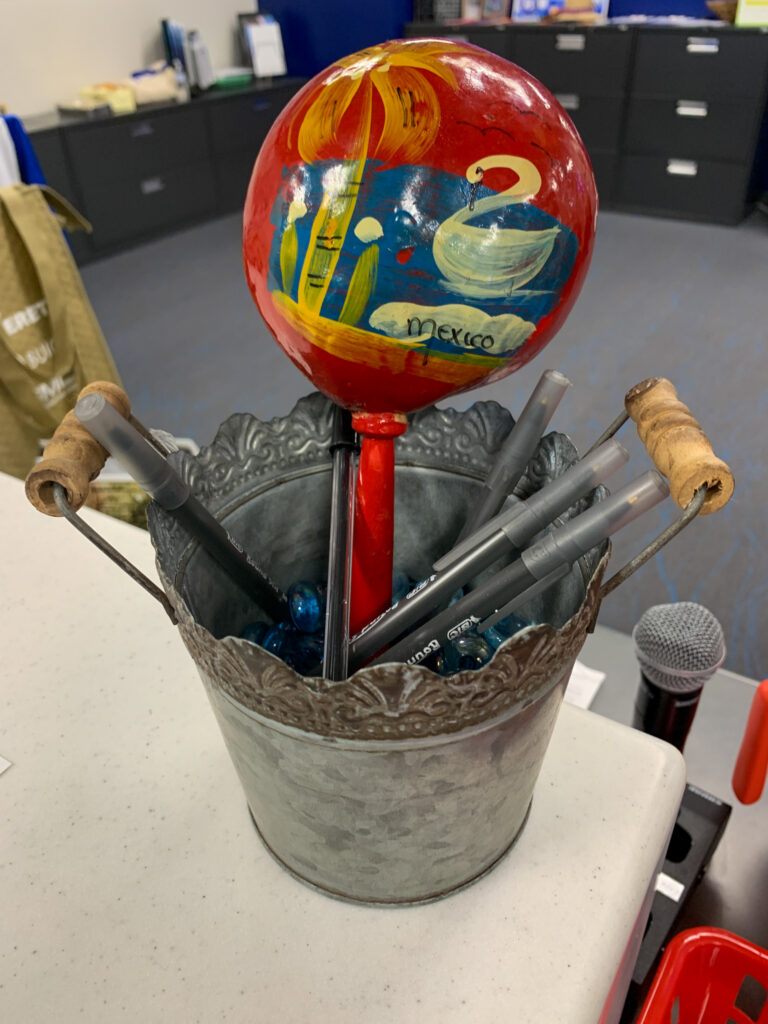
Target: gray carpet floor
{"x": 668, "y": 298}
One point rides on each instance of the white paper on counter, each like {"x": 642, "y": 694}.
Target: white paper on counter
{"x": 583, "y": 685}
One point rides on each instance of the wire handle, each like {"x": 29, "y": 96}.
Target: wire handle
{"x": 58, "y": 485}
{"x": 656, "y": 545}
{"x": 59, "y": 495}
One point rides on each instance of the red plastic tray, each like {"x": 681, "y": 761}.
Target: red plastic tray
{"x": 709, "y": 976}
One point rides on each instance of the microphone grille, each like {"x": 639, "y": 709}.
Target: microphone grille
{"x": 679, "y": 646}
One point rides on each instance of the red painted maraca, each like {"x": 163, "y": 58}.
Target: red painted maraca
{"x": 419, "y": 221}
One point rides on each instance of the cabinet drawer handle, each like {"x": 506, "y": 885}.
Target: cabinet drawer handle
{"x": 151, "y": 185}
{"x": 683, "y": 168}
{"x": 570, "y": 41}
{"x": 702, "y": 44}
{"x": 568, "y": 100}
{"x": 141, "y": 129}
{"x": 691, "y": 108}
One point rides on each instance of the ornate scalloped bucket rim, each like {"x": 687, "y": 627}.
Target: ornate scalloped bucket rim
{"x": 396, "y": 785}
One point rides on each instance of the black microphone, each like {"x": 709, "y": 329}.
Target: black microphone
{"x": 679, "y": 647}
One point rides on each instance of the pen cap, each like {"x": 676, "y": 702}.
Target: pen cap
{"x": 570, "y": 542}
{"x": 527, "y": 431}
{"x": 578, "y": 480}
{"x": 134, "y": 453}
{"x": 521, "y": 520}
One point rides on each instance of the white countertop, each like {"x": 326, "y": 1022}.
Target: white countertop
{"x": 134, "y": 886}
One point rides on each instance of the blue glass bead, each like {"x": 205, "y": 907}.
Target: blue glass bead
{"x": 255, "y": 632}
{"x": 493, "y": 637}
{"x": 302, "y": 651}
{"x": 467, "y": 652}
{"x": 437, "y": 663}
{"x": 306, "y": 602}
{"x": 510, "y": 625}
{"x": 504, "y": 629}
{"x": 277, "y": 637}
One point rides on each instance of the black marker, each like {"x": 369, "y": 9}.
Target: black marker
{"x": 156, "y": 476}
{"x": 517, "y": 449}
{"x": 506, "y": 533}
{"x": 538, "y": 567}
{"x": 343, "y": 448}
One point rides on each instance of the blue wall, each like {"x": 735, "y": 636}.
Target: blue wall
{"x": 690, "y": 8}
{"x": 318, "y": 32}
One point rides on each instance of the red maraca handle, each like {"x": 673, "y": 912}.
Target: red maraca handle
{"x": 374, "y": 529}
{"x": 752, "y": 762}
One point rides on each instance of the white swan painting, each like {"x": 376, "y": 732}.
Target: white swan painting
{"x": 488, "y": 262}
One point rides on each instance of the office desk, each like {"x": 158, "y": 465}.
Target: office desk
{"x": 134, "y": 887}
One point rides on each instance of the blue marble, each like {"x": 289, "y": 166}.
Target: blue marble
{"x": 302, "y": 651}
{"x": 255, "y": 632}
{"x": 467, "y": 652}
{"x": 306, "y": 602}
{"x": 504, "y": 629}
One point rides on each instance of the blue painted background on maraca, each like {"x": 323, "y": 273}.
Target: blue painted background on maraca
{"x": 410, "y": 202}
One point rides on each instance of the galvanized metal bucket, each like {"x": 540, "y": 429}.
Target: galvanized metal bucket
{"x": 396, "y": 785}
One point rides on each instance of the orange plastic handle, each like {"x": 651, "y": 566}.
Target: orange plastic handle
{"x": 752, "y": 762}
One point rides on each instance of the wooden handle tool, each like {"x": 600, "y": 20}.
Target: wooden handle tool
{"x": 72, "y": 457}
{"x": 678, "y": 446}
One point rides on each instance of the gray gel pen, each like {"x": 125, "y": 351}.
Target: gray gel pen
{"x": 517, "y": 449}
{"x": 158, "y": 478}
{"x": 506, "y": 533}
{"x": 540, "y": 565}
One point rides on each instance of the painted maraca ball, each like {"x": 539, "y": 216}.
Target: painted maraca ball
{"x": 419, "y": 221}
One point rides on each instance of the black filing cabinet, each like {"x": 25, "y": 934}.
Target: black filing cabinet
{"x": 671, "y": 116}
{"x": 143, "y": 172}
{"x": 587, "y": 71}
{"x": 138, "y": 176}
{"x": 49, "y": 150}
{"x": 238, "y": 125}
{"x": 694, "y": 112}
{"x": 495, "y": 38}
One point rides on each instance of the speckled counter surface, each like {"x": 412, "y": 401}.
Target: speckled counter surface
{"x": 134, "y": 887}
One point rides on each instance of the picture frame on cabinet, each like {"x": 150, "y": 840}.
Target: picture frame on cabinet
{"x": 592, "y": 11}
{"x": 262, "y": 44}
{"x": 530, "y": 10}
{"x": 495, "y": 10}
{"x": 176, "y": 45}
